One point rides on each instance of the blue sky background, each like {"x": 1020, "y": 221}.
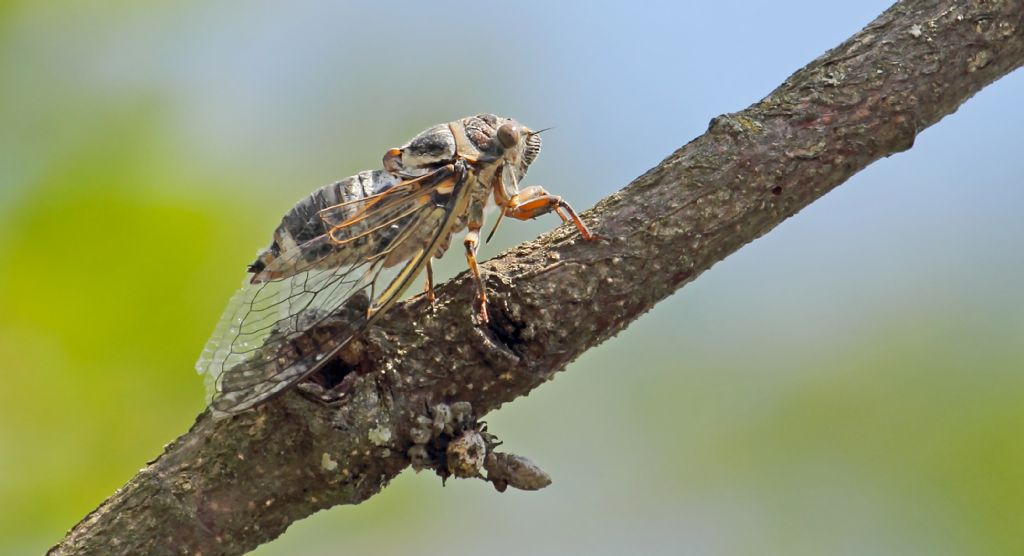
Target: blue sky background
{"x": 850, "y": 383}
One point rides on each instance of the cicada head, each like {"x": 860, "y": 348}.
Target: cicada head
{"x": 512, "y": 142}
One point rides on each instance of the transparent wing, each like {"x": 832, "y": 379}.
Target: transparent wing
{"x": 408, "y": 191}
{"x": 275, "y": 333}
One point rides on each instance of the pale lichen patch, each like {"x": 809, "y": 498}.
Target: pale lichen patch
{"x": 979, "y": 60}
{"x": 380, "y": 436}
{"x": 327, "y": 463}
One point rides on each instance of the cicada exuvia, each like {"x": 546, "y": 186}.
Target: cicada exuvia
{"x": 333, "y": 246}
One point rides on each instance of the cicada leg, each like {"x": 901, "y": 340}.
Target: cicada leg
{"x": 472, "y": 241}
{"x": 534, "y": 201}
{"x": 428, "y": 288}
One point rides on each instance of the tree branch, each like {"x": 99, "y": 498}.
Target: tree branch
{"x": 227, "y": 486}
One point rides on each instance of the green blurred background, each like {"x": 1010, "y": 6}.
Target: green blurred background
{"x": 850, "y": 384}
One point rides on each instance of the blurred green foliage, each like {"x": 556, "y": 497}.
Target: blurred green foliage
{"x": 99, "y": 304}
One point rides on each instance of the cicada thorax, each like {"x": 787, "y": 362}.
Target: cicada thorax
{"x": 492, "y": 166}
{"x": 427, "y": 152}
{"x": 471, "y": 139}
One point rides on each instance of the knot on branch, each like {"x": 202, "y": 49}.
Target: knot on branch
{"x": 451, "y": 441}
{"x": 735, "y": 125}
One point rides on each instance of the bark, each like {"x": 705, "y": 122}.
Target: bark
{"x": 228, "y": 486}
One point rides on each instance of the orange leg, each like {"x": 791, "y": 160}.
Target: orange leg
{"x": 535, "y": 201}
{"x": 428, "y": 288}
{"x": 471, "y": 242}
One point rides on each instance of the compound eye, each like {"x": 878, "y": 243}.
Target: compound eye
{"x": 508, "y": 135}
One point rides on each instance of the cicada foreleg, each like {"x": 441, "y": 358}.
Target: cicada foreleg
{"x": 534, "y": 201}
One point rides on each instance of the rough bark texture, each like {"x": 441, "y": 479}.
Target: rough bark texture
{"x": 227, "y": 486}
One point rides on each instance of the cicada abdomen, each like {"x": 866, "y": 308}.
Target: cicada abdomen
{"x": 304, "y": 230}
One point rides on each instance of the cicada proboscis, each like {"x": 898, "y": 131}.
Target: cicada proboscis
{"x": 333, "y": 245}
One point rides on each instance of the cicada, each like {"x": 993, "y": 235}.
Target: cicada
{"x": 368, "y": 236}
